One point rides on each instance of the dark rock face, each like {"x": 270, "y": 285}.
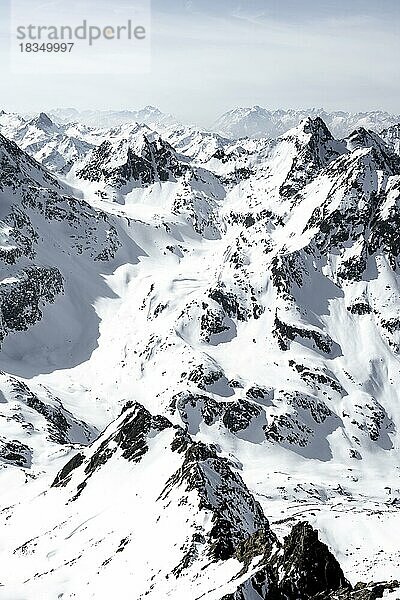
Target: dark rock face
{"x": 360, "y": 308}
{"x": 62, "y": 477}
{"x": 157, "y": 162}
{"x": 240, "y": 304}
{"x": 129, "y": 438}
{"x": 312, "y": 156}
{"x": 302, "y": 569}
{"x": 22, "y": 236}
{"x": 212, "y": 322}
{"x": 384, "y": 152}
{"x": 204, "y": 376}
{"x": 286, "y": 333}
{"x": 391, "y": 136}
{"x": 208, "y": 409}
{"x": 235, "y": 513}
{"x": 317, "y": 378}
{"x": 22, "y": 300}
{"x": 40, "y": 422}
{"x": 239, "y": 415}
{"x": 229, "y": 303}
{"x": 362, "y": 591}
{"x": 15, "y": 453}
{"x": 33, "y": 201}
{"x": 287, "y": 270}
{"x": 256, "y": 392}
{"x": 372, "y": 419}
{"x": 353, "y": 210}
{"x": 60, "y": 422}
{"x": 43, "y": 120}
{"x": 235, "y": 415}
{"x": 17, "y": 168}
{"x": 134, "y": 429}
{"x": 309, "y": 567}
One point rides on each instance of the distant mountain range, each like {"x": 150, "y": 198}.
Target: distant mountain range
{"x": 257, "y": 122}
{"x": 149, "y": 115}
{"x": 254, "y": 122}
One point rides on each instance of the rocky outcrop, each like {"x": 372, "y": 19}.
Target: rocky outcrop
{"x": 234, "y": 512}
{"x": 302, "y": 568}
{"x": 316, "y": 148}
{"x": 128, "y": 437}
{"x": 15, "y": 453}
{"x": 156, "y": 162}
{"x": 391, "y": 135}
{"x": 286, "y": 333}
{"x": 35, "y": 422}
{"x": 22, "y": 300}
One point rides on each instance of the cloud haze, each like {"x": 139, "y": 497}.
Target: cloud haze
{"x": 209, "y": 56}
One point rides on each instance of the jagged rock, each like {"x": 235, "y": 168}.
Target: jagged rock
{"x": 63, "y": 427}
{"x": 15, "y": 453}
{"x": 391, "y": 136}
{"x": 235, "y": 513}
{"x": 22, "y": 300}
{"x": 285, "y": 333}
{"x": 319, "y": 149}
{"x": 212, "y": 323}
{"x": 40, "y": 423}
{"x": 236, "y": 415}
{"x": 62, "y": 477}
{"x": 359, "y": 308}
{"x": 306, "y": 567}
{"x": 129, "y": 438}
{"x": 231, "y": 513}
{"x": 303, "y": 568}
{"x": 156, "y": 162}
{"x": 233, "y": 304}
{"x": 239, "y": 415}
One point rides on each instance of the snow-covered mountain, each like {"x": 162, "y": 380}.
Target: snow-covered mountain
{"x": 149, "y": 115}
{"x": 200, "y": 365}
{"x": 57, "y": 147}
{"x": 259, "y": 122}
{"x": 252, "y": 122}
{"x": 63, "y": 137}
{"x": 391, "y": 135}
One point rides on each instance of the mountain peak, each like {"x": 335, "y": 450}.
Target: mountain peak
{"x": 316, "y": 127}
{"x": 152, "y": 108}
{"x": 364, "y": 138}
{"x": 43, "y": 121}
{"x": 257, "y": 108}
{"x": 310, "y": 129}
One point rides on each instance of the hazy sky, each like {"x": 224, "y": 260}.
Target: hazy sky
{"x": 211, "y": 55}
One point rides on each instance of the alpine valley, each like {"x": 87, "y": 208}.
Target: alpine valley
{"x": 200, "y": 351}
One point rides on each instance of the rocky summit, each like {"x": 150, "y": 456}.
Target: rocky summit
{"x": 200, "y": 337}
